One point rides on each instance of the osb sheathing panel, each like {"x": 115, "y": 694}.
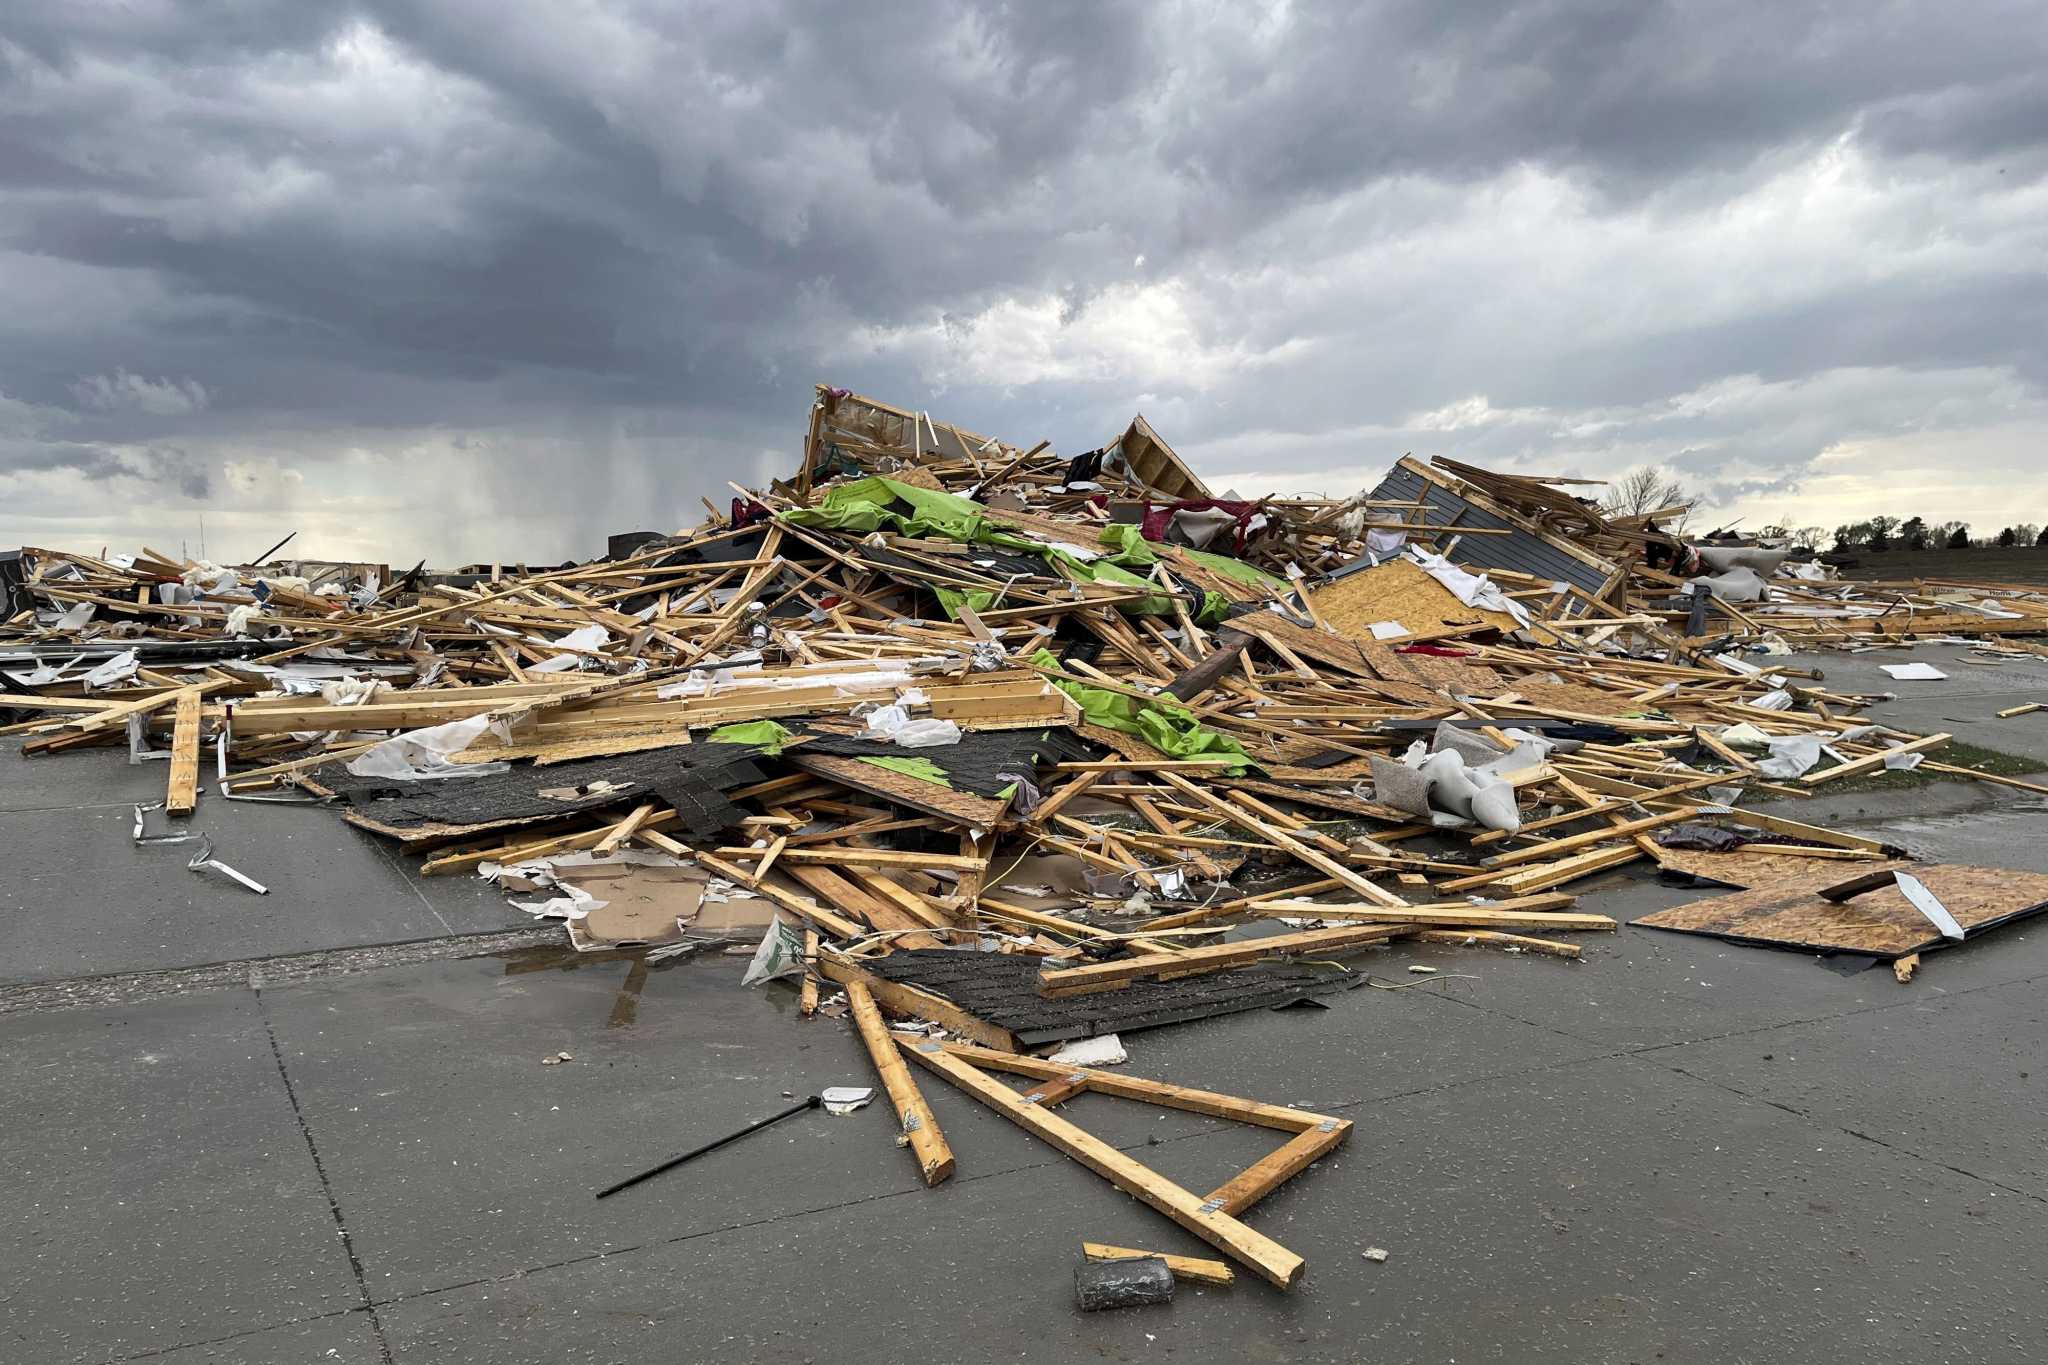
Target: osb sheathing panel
{"x": 929, "y": 797}
{"x": 1774, "y": 871}
{"x": 1565, "y": 696}
{"x": 1401, "y": 591}
{"x": 1432, "y": 671}
{"x": 1881, "y": 923}
{"x": 1319, "y": 645}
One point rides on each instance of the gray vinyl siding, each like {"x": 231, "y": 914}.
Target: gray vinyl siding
{"x": 1517, "y": 553}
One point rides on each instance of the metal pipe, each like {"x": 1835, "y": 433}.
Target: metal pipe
{"x": 799, "y": 1107}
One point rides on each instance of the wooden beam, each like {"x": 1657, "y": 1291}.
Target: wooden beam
{"x": 1876, "y": 760}
{"x": 1553, "y": 847}
{"x": 1112, "y": 975}
{"x": 1194, "y": 1269}
{"x": 182, "y": 795}
{"x": 1548, "y": 947}
{"x": 914, "y": 1002}
{"x": 1255, "y": 1182}
{"x": 1321, "y": 862}
{"x": 927, "y": 1143}
{"x": 1442, "y": 917}
{"x": 1272, "y": 1261}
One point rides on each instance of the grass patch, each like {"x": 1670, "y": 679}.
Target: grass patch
{"x": 1958, "y": 753}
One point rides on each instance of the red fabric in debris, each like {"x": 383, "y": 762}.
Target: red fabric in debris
{"x": 1157, "y": 519}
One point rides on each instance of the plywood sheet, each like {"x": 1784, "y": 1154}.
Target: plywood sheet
{"x": 1568, "y": 696}
{"x": 1776, "y": 871}
{"x": 1318, "y": 645}
{"x": 1881, "y": 923}
{"x": 1432, "y": 671}
{"x": 1401, "y": 591}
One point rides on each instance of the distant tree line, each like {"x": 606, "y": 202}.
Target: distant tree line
{"x": 1654, "y": 491}
{"x": 1880, "y": 534}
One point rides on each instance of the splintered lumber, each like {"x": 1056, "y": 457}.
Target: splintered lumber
{"x": 1321, "y": 862}
{"x": 1542, "y": 876}
{"x": 1496, "y": 916}
{"x": 1202, "y": 1216}
{"x": 622, "y": 831}
{"x": 914, "y": 1002}
{"x": 934, "y": 1157}
{"x": 182, "y": 794}
{"x": 1191, "y": 1268}
{"x": 1549, "y": 947}
{"x": 74, "y": 730}
{"x": 1107, "y": 976}
{"x": 1554, "y": 847}
{"x": 1871, "y": 761}
{"x": 801, "y": 906}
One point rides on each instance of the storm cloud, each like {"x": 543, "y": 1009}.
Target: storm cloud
{"x": 489, "y": 280}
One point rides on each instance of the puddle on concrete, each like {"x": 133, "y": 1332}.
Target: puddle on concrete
{"x": 2025, "y": 809}
{"x": 2003, "y": 835}
{"x": 625, "y": 1004}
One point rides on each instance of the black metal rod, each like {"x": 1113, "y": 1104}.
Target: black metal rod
{"x": 799, "y": 1107}
{"x": 264, "y": 558}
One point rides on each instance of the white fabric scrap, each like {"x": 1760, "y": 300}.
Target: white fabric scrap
{"x": 926, "y": 734}
{"x": 419, "y": 754}
{"x": 1474, "y": 590}
{"x": 1791, "y": 756}
{"x": 118, "y": 669}
{"x": 1385, "y": 543}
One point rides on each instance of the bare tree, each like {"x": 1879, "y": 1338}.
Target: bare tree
{"x": 1646, "y": 488}
{"x": 1808, "y": 537}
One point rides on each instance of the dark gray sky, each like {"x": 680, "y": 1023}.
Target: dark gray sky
{"x": 491, "y": 278}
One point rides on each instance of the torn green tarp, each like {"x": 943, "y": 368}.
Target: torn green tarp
{"x": 1170, "y": 729}
{"x": 870, "y": 505}
{"x": 1134, "y": 551}
{"x": 764, "y": 735}
{"x": 976, "y": 598}
{"x": 922, "y": 768}
{"x": 1237, "y": 569}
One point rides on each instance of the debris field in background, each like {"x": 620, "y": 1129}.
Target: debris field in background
{"x": 1016, "y": 748}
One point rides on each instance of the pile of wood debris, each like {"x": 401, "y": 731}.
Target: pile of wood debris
{"x": 938, "y": 694}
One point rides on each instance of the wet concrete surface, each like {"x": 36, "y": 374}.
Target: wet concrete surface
{"x": 79, "y": 898}
{"x": 1675, "y": 1150}
{"x": 1969, "y": 699}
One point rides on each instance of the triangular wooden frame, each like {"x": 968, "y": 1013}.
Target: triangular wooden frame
{"x": 1212, "y": 1217}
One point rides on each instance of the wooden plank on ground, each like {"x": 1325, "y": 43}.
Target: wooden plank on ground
{"x": 1194, "y": 1269}
{"x": 927, "y": 1143}
{"x": 182, "y": 795}
{"x": 1271, "y": 1260}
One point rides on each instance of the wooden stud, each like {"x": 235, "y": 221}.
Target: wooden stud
{"x": 182, "y": 794}
{"x": 934, "y": 1157}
